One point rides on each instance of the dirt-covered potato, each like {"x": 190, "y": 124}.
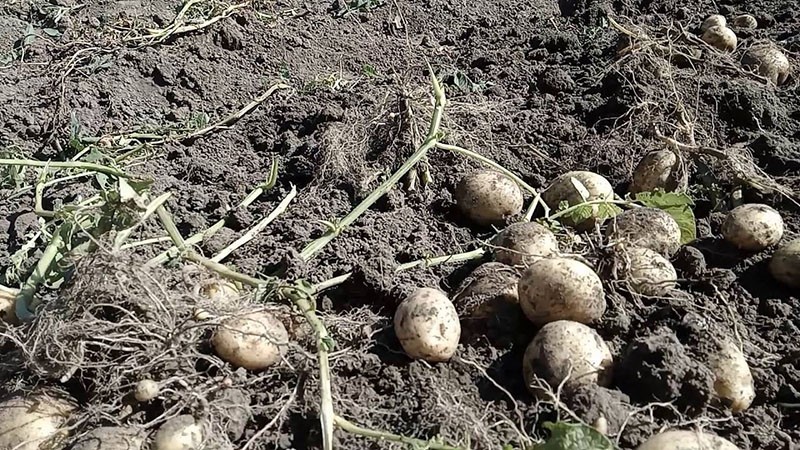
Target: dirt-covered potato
{"x": 785, "y": 264}
{"x": 569, "y": 188}
{"x": 488, "y": 283}
{"x": 179, "y": 433}
{"x": 733, "y": 381}
{"x": 7, "y": 303}
{"x": 145, "y": 390}
{"x": 686, "y": 440}
{"x": 488, "y": 197}
{"x": 648, "y": 273}
{"x": 565, "y": 349}
{"x": 650, "y": 228}
{"x": 753, "y": 227}
{"x": 111, "y": 438}
{"x": 253, "y": 341}
{"x": 745, "y": 21}
{"x": 561, "y": 289}
{"x": 721, "y": 38}
{"x": 218, "y": 291}
{"x": 28, "y": 421}
{"x": 523, "y": 243}
{"x": 427, "y": 325}
{"x": 659, "y": 169}
{"x": 769, "y": 61}
{"x": 715, "y": 20}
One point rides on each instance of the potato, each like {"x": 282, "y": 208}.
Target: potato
{"x": 561, "y": 289}
{"x": 753, "y": 227}
{"x": 179, "y": 433}
{"x": 564, "y": 189}
{"x": 564, "y": 349}
{"x": 715, "y": 20}
{"x": 721, "y": 38}
{"x": 686, "y": 440}
{"x": 649, "y": 273}
{"x": 659, "y": 169}
{"x": 523, "y": 243}
{"x": 219, "y": 291}
{"x": 785, "y": 264}
{"x": 145, "y": 390}
{"x": 769, "y": 61}
{"x": 427, "y": 325}
{"x": 733, "y": 381}
{"x": 651, "y": 228}
{"x": 7, "y": 305}
{"x": 489, "y": 282}
{"x": 253, "y": 341}
{"x": 745, "y": 21}
{"x": 26, "y": 422}
{"x": 488, "y": 197}
{"x": 111, "y": 438}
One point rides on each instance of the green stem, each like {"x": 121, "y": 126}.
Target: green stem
{"x": 459, "y": 257}
{"x": 66, "y": 165}
{"x": 314, "y": 247}
{"x": 24, "y": 297}
{"x": 350, "y": 427}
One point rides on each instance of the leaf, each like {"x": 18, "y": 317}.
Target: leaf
{"x": 678, "y": 205}
{"x": 568, "y": 436}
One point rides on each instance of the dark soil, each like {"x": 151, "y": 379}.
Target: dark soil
{"x": 537, "y": 86}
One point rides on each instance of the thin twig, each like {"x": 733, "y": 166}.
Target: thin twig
{"x": 66, "y": 165}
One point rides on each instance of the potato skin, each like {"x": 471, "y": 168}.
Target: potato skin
{"x": 562, "y": 189}
{"x": 770, "y": 62}
{"x": 565, "y": 348}
{"x": 753, "y": 227}
{"x": 488, "y": 197}
{"x": 745, "y": 21}
{"x": 427, "y": 325}
{"x": 734, "y": 381}
{"x": 686, "y": 440}
{"x": 179, "y": 433}
{"x": 111, "y": 438}
{"x": 785, "y": 264}
{"x": 490, "y": 282}
{"x": 648, "y": 272}
{"x": 561, "y": 289}
{"x": 715, "y": 20}
{"x": 646, "y": 227}
{"x": 524, "y": 243}
{"x": 253, "y": 341}
{"x": 721, "y": 38}
{"x": 27, "y": 422}
{"x": 659, "y": 169}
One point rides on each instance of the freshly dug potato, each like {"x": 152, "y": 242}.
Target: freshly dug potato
{"x": 488, "y": 197}
{"x": 26, "y": 422}
{"x": 650, "y": 228}
{"x": 745, "y": 21}
{"x": 145, "y": 390}
{"x": 686, "y": 440}
{"x": 715, "y": 20}
{"x": 564, "y": 189}
{"x": 111, "y": 438}
{"x": 561, "y": 289}
{"x": 564, "y": 349}
{"x": 734, "y": 382}
{"x": 427, "y": 325}
{"x": 648, "y": 272}
{"x": 7, "y": 303}
{"x": 769, "y": 61}
{"x": 659, "y": 169}
{"x": 753, "y": 227}
{"x": 785, "y": 264}
{"x": 219, "y": 291}
{"x": 523, "y": 243}
{"x": 489, "y": 281}
{"x": 179, "y": 433}
{"x": 253, "y": 341}
{"x": 721, "y": 38}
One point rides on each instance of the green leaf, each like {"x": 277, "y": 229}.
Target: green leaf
{"x": 568, "y": 436}
{"x": 678, "y": 205}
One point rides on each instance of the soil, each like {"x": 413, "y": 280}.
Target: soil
{"x": 540, "y": 87}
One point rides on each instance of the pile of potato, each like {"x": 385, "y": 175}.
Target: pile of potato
{"x": 563, "y": 296}
{"x": 765, "y": 58}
